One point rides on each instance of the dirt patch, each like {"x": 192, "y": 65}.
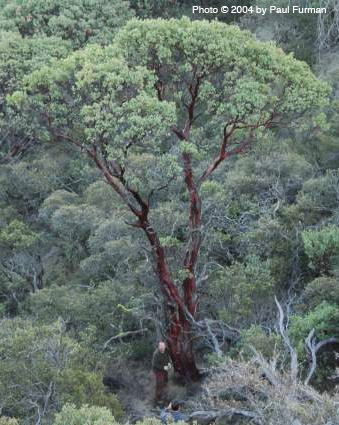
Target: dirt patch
{"x": 136, "y": 389}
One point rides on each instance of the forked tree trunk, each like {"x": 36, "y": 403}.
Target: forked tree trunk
{"x": 179, "y": 311}
{"x": 180, "y": 345}
{"x": 180, "y": 303}
{"x": 180, "y": 308}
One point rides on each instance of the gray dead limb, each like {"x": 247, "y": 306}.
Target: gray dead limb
{"x": 268, "y": 368}
{"x": 214, "y": 333}
{"x": 313, "y": 347}
{"x": 328, "y": 25}
{"x": 213, "y": 340}
{"x": 283, "y": 329}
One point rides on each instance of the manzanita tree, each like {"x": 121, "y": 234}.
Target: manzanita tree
{"x": 169, "y": 101}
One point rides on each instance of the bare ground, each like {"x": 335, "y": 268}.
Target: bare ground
{"x": 138, "y": 389}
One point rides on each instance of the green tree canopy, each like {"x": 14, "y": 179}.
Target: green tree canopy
{"x": 166, "y": 104}
{"x": 79, "y": 21}
{"x": 19, "y": 57}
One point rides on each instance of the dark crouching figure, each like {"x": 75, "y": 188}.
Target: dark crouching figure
{"x": 172, "y": 413}
{"x": 161, "y": 363}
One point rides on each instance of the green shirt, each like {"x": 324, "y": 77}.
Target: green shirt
{"x": 160, "y": 359}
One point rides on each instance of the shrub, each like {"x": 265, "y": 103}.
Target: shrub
{"x": 266, "y": 343}
{"x": 86, "y": 415}
{"x": 8, "y": 421}
{"x": 324, "y": 319}
{"x": 322, "y": 248}
{"x": 243, "y": 291}
{"x": 321, "y": 289}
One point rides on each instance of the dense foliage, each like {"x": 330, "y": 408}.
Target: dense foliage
{"x": 78, "y": 291}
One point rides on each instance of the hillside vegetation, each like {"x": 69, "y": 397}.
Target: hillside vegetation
{"x": 168, "y": 176}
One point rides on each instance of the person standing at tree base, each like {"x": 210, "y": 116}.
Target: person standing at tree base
{"x": 161, "y": 363}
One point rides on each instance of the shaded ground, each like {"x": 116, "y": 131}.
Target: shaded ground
{"x": 137, "y": 389}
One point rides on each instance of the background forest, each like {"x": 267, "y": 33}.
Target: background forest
{"x": 79, "y": 294}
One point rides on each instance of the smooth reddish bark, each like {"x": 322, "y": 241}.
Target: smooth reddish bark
{"x": 181, "y": 305}
{"x": 179, "y": 332}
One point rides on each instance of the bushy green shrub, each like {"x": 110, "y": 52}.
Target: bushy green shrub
{"x": 17, "y": 235}
{"x": 322, "y": 248}
{"x": 39, "y": 361}
{"x": 85, "y": 415}
{"x": 321, "y": 289}
{"x": 81, "y": 387}
{"x": 323, "y": 318}
{"x": 267, "y": 344}
{"x": 317, "y": 199}
{"x": 97, "y": 306}
{"x": 243, "y": 290}
{"x": 93, "y": 415}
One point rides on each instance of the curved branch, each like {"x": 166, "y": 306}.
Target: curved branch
{"x": 242, "y": 146}
{"x": 284, "y": 333}
{"x": 313, "y": 348}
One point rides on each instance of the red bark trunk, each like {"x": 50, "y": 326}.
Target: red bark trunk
{"x": 180, "y": 344}
{"x": 180, "y": 309}
{"x": 180, "y": 306}
{"x": 179, "y": 330}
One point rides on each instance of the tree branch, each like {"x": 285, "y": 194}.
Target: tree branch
{"x": 235, "y": 125}
{"x": 267, "y": 369}
{"x": 284, "y": 333}
{"x": 164, "y": 186}
{"x": 125, "y": 334}
{"x": 313, "y": 348}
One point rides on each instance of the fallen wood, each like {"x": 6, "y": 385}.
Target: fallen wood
{"x": 221, "y": 417}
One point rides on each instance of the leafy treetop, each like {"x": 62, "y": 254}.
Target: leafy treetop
{"x": 168, "y": 88}
{"x": 79, "y": 21}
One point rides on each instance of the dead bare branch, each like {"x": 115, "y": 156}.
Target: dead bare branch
{"x": 313, "y": 348}
{"x": 283, "y": 329}
{"x": 125, "y": 334}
